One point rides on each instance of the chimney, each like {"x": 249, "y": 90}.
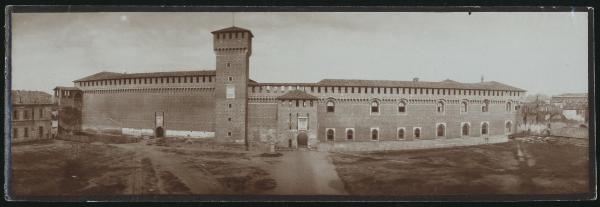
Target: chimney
{"x": 415, "y": 79}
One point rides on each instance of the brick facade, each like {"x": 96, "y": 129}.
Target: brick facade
{"x": 31, "y": 116}
{"x": 233, "y": 107}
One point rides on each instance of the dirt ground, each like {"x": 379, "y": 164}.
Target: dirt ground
{"x": 523, "y": 166}
{"x": 205, "y": 167}
{"x": 174, "y": 167}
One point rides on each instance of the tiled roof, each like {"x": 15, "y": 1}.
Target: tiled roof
{"x": 233, "y": 29}
{"x": 30, "y": 97}
{"x": 450, "y": 84}
{"x": 111, "y": 75}
{"x": 297, "y": 95}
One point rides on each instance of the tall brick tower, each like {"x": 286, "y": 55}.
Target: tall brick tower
{"x": 233, "y": 47}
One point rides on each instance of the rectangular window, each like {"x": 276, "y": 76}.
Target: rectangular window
{"x": 312, "y": 89}
{"x": 26, "y": 132}
{"x": 15, "y": 115}
{"x": 41, "y": 113}
{"x": 230, "y": 93}
{"x": 15, "y": 132}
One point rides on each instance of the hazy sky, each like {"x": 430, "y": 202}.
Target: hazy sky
{"x": 539, "y": 52}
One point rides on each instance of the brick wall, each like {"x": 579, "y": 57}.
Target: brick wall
{"x": 262, "y": 120}
{"x": 190, "y": 109}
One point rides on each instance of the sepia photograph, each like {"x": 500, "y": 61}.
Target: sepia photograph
{"x": 458, "y": 104}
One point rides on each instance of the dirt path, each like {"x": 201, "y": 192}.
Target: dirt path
{"x": 163, "y": 163}
{"x": 305, "y": 172}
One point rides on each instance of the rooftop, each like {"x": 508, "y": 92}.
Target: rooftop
{"x": 445, "y": 84}
{"x": 572, "y": 95}
{"x": 112, "y": 75}
{"x": 233, "y": 29}
{"x": 66, "y": 88}
{"x": 30, "y": 97}
{"x": 297, "y": 95}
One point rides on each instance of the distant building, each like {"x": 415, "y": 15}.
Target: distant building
{"x": 226, "y": 104}
{"x": 31, "y": 115}
{"x": 574, "y": 106}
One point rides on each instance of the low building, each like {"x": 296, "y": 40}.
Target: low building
{"x": 574, "y": 106}
{"x": 31, "y": 115}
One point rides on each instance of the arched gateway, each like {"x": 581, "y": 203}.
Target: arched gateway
{"x": 302, "y": 140}
{"x": 160, "y": 132}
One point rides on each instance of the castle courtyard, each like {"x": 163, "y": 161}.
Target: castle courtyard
{"x": 182, "y": 167}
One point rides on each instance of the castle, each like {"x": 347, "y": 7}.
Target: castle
{"x": 226, "y": 104}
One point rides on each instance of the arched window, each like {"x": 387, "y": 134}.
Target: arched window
{"x": 330, "y": 134}
{"x": 441, "y": 130}
{"x": 417, "y": 133}
{"x": 402, "y": 107}
{"x": 486, "y": 106}
{"x": 508, "y": 106}
{"x": 350, "y": 134}
{"x": 465, "y": 129}
{"x": 484, "y": 128}
{"x": 401, "y": 133}
{"x": 374, "y": 107}
{"x": 330, "y": 106}
{"x": 440, "y": 107}
{"x": 508, "y": 127}
{"x": 374, "y": 134}
{"x": 464, "y": 107}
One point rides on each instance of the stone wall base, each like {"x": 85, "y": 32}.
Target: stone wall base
{"x": 409, "y": 144}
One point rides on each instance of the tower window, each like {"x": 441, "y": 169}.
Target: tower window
{"x": 229, "y": 134}
{"x": 229, "y": 105}
{"x": 464, "y": 107}
{"x": 508, "y": 106}
{"x": 230, "y": 78}
{"x": 229, "y": 119}
{"x": 228, "y": 65}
